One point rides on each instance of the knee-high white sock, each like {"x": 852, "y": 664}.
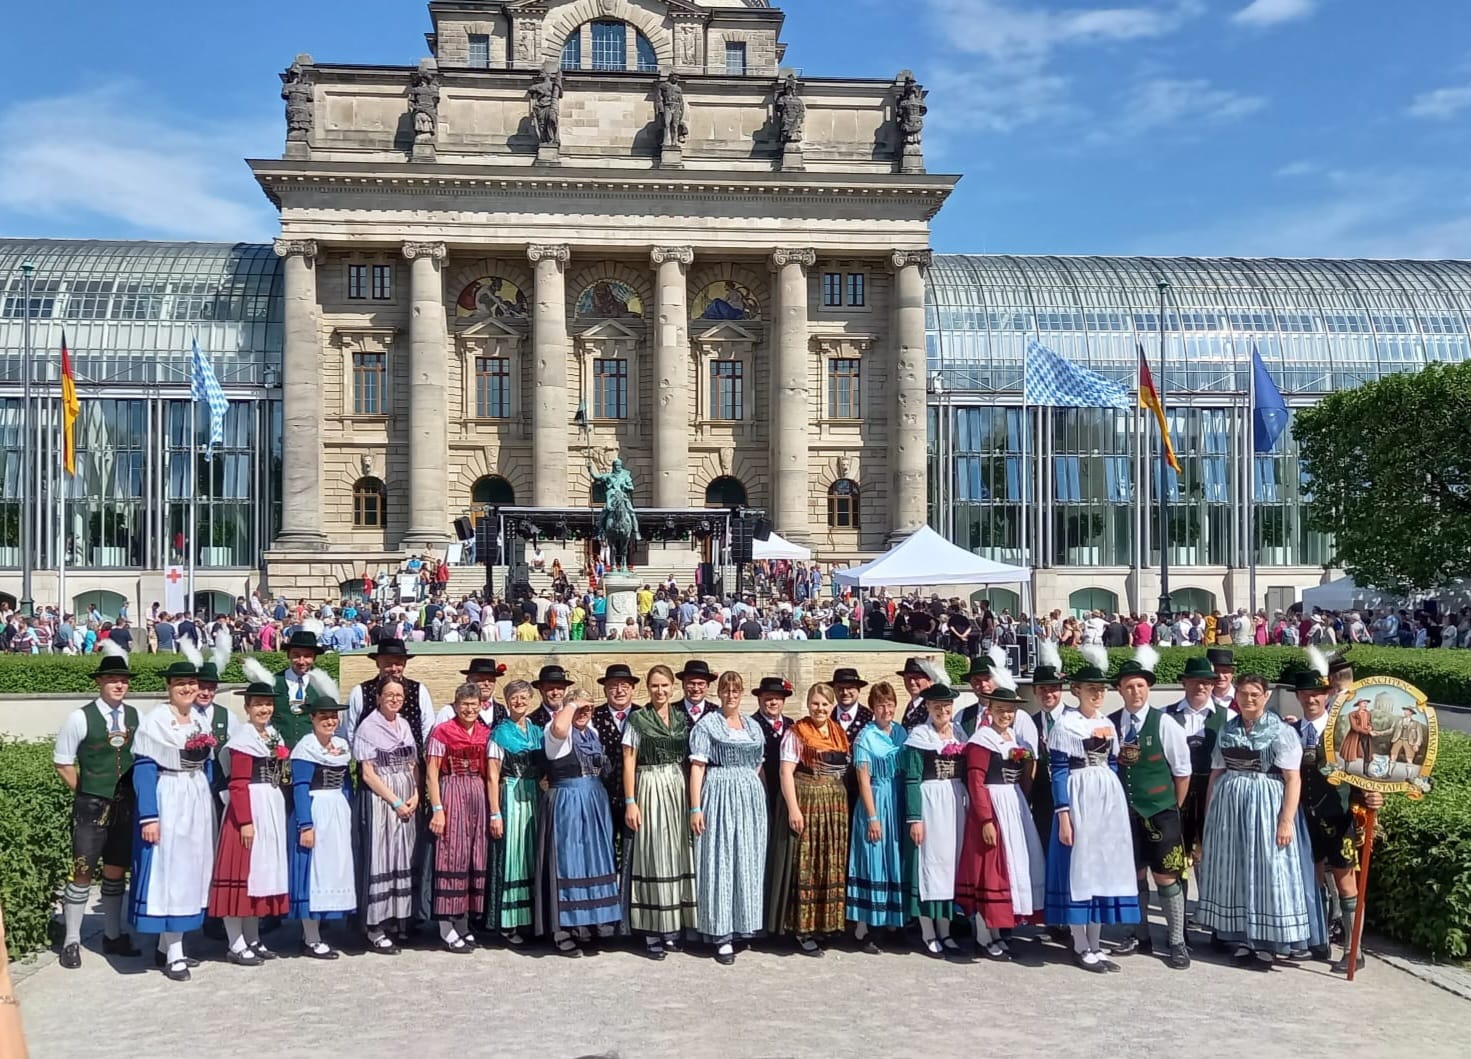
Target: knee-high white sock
{"x": 311, "y": 932}
{"x": 112, "y": 907}
{"x": 983, "y": 932}
{"x": 1095, "y": 934}
{"x": 235, "y": 933}
{"x": 172, "y": 943}
{"x": 1080, "y": 938}
{"x": 251, "y": 926}
{"x": 73, "y": 908}
{"x": 447, "y": 932}
{"x": 927, "y": 928}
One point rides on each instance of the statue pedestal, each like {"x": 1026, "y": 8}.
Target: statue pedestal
{"x": 548, "y": 154}
{"x": 671, "y": 158}
{"x": 912, "y": 160}
{"x": 423, "y": 152}
{"x": 791, "y": 158}
{"x": 297, "y": 149}
{"x": 621, "y": 591}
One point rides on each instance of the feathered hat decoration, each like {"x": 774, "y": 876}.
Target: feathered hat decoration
{"x": 116, "y": 650}
{"x": 1146, "y": 657}
{"x": 313, "y": 626}
{"x": 1049, "y": 655}
{"x": 325, "y": 685}
{"x": 222, "y": 647}
{"x": 257, "y": 673}
{"x": 1318, "y": 660}
{"x": 1000, "y": 671}
{"x": 1096, "y": 656}
{"x": 190, "y": 651}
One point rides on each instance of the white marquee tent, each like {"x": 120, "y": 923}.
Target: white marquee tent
{"x": 925, "y": 558}
{"x": 778, "y": 547}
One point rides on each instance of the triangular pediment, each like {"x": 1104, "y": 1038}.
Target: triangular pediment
{"x": 491, "y": 328}
{"x": 609, "y": 330}
{"x": 725, "y": 331}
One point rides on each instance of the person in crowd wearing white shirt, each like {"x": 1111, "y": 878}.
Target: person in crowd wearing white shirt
{"x": 916, "y": 678}
{"x": 391, "y": 657}
{"x": 1154, "y": 767}
{"x": 483, "y": 673}
{"x": 1094, "y": 627}
{"x": 295, "y": 691}
{"x": 1223, "y": 664}
{"x": 93, "y": 752}
{"x": 695, "y": 678}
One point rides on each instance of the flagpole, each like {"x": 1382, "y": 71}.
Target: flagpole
{"x": 1248, "y": 445}
{"x": 193, "y": 473}
{"x": 1163, "y": 488}
{"x": 1026, "y": 541}
{"x": 61, "y": 483}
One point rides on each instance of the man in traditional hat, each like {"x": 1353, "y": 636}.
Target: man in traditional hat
{"x": 771, "y": 701}
{"x": 916, "y": 677}
{"x": 551, "y": 684}
{"x": 1223, "y": 665}
{"x": 483, "y": 673}
{"x": 1154, "y": 767}
{"x": 391, "y": 656}
{"x": 93, "y": 752}
{"x": 1406, "y": 737}
{"x": 1340, "y": 675}
{"x": 695, "y": 678}
{"x": 218, "y": 721}
{"x": 1328, "y": 809}
{"x": 1045, "y": 693}
{"x": 850, "y": 714}
{"x": 295, "y": 692}
{"x": 609, "y": 720}
{"x": 970, "y": 705}
{"x": 1201, "y": 720}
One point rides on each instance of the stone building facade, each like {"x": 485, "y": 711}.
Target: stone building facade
{"x": 594, "y": 228}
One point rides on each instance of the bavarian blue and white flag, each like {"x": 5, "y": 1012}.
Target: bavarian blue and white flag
{"x": 1053, "y": 381}
{"x": 207, "y": 388}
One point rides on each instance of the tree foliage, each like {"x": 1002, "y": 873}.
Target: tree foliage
{"x": 1390, "y": 471}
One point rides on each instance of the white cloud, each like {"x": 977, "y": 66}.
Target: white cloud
{"x": 1163, "y": 102}
{"x": 1274, "y": 12}
{"x": 1296, "y": 169}
{"x": 1441, "y": 103}
{"x": 112, "y": 156}
{"x": 1009, "y": 32}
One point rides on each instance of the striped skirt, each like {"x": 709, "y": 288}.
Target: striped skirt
{"x": 730, "y": 856}
{"x": 576, "y": 880}
{"x": 876, "y": 869}
{"x": 386, "y": 871}
{"x": 513, "y": 857}
{"x": 1251, "y": 889}
{"x": 819, "y": 858}
{"x": 460, "y": 853}
{"x": 658, "y": 865}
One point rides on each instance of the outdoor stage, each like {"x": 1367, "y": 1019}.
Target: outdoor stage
{"x": 802, "y": 662}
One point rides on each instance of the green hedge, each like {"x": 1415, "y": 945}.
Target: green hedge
{"x": 1444, "y": 676}
{"x": 35, "y": 842}
{"x": 1420, "y": 876}
{"x": 72, "y": 674}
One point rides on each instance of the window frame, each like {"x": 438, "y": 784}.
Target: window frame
{"x": 727, "y": 380}
{"x": 837, "y": 370}
{"x": 604, "y": 64}
{"x": 617, "y": 374}
{"x": 832, "y": 290}
{"x": 844, "y": 505}
{"x": 473, "y": 41}
{"x": 485, "y": 381}
{"x": 364, "y": 385}
{"x": 855, "y": 283}
{"x": 381, "y": 287}
{"x": 357, "y": 281}
{"x": 369, "y": 498}
{"x": 735, "y": 49}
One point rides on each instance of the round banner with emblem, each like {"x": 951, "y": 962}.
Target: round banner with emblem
{"x": 1382, "y": 735}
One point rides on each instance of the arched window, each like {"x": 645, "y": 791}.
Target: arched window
{"x": 1190, "y": 600}
{"x": 1000, "y": 599}
{"x": 369, "y": 504}
{"x": 492, "y": 489}
{"x": 1085, "y": 600}
{"x": 842, "y": 504}
{"x": 725, "y": 491}
{"x": 648, "y": 62}
{"x": 608, "y": 39}
{"x": 572, "y": 51}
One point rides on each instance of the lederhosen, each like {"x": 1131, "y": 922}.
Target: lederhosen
{"x": 1154, "y": 818}
{"x": 1328, "y": 809}
{"x": 102, "y": 806}
{"x": 1202, "y": 747}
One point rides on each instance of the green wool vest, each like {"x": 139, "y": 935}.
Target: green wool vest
{"x": 292, "y": 725}
{"x": 1148, "y": 781}
{"x": 100, "y": 764}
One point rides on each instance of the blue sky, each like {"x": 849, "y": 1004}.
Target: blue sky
{"x": 1251, "y": 127}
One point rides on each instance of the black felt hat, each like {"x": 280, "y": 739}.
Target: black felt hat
{"x": 303, "y": 640}
{"x": 1197, "y": 668}
{"x": 1132, "y": 668}
{"x": 773, "y": 686}
{"x": 1337, "y": 663}
{"x": 483, "y": 667}
{"x": 1047, "y": 677}
{"x": 1002, "y": 695}
{"x": 980, "y": 666}
{"x": 912, "y": 668}
{"x": 181, "y": 671}
{"x": 1220, "y": 656}
{"x": 693, "y": 668}
{"x": 848, "y": 675}
{"x": 938, "y": 693}
{"x": 259, "y": 690}
{"x": 323, "y": 704}
{"x": 209, "y": 674}
{"x": 1307, "y": 680}
{"x": 390, "y": 647}
{"x": 552, "y": 675}
{"x": 617, "y": 671}
{"x": 112, "y": 666}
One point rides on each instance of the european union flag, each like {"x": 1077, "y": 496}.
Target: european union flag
{"x": 1269, "y": 413}
{"x": 1053, "y": 381}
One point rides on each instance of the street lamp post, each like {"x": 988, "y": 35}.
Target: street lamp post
{"x": 1164, "y": 487}
{"x": 28, "y": 454}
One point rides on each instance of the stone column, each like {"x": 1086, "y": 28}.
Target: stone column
{"x": 910, "y": 427}
{"x": 791, "y": 410}
{"x": 428, "y": 412}
{"x": 301, "y": 400}
{"x": 549, "y": 422}
{"x": 671, "y": 416}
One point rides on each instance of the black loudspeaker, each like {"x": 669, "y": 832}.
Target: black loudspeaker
{"x": 487, "y": 547}
{"x": 464, "y": 529}
{"x": 707, "y": 578}
{"x": 740, "y": 539}
{"x": 764, "y": 529}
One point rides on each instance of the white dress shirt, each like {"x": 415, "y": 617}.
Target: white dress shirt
{"x": 1171, "y": 737}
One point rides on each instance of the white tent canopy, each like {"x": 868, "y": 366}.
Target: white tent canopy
{"x": 778, "y": 547}
{"x": 926, "y": 558}
{"x": 1343, "y": 594}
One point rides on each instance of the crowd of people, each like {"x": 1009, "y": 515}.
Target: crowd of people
{"x": 540, "y": 812}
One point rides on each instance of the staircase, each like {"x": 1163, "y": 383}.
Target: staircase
{"x": 678, "y": 562}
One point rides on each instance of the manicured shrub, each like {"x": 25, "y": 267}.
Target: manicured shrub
{"x": 35, "y": 842}
{"x": 72, "y": 674}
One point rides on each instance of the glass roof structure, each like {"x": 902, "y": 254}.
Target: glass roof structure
{"x": 131, "y": 310}
{"x": 1321, "y": 325}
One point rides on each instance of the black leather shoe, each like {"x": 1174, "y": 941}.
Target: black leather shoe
{"x": 178, "y": 971}
{"x": 1179, "y": 957}
{"x": 159, "y": 961}
{"x": 326, "y": 952}
{"x": 654, "y": 952}
{"x": 260, "y": 950}
{"x": 1340, "y": 965}
{"x": 245, "y": 958}
{"x": 122, "y": 945}
{"x": 1095, "y": 967}
{"x": 71, "y": 956}
{"x": 725, "y": 959}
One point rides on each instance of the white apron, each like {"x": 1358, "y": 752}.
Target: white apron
{"x": 943, "y": 805}
{"x": 1102, "y": 865}
{"x": 269, "y": 874}
{"x": 332, "y": 885}
{"x": 184, "y": 856}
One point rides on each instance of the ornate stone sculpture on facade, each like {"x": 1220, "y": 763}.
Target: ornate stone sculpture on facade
{"x": 791, "y": 112}
{"x": 424, "y": 101}
{"x": 545, "y": 96}
{"x": 689, "y": 53}
{"x": 669, "y": 109}
{"x": 297, "y": 91}
{"x": 911, "y": 109}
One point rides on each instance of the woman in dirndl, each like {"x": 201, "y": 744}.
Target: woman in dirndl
{"x": 933, "y": 767}
{"x": 1252, "y": 891}
{"x": 658, "y": 865}
{"x": 1090, "y": 859}
{"x": 815, "y": 760}
{"x": 388, "y": 819}
{"x": 251, "y": 877}
{"x": 513, "y": 785}
{"x": 576, "y": 878}
{"x": 729, "y": 817}
{"x": 323, "y": 886}
{"x": 174, "y": 853}
{"x": 1000, "y": 878}
{"x": 875, "y": 851}
{"x": 455, "y": 758}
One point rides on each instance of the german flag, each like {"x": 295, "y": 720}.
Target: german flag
{"x": 70, "y": 408}
{"x": 1149, "y": 398}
